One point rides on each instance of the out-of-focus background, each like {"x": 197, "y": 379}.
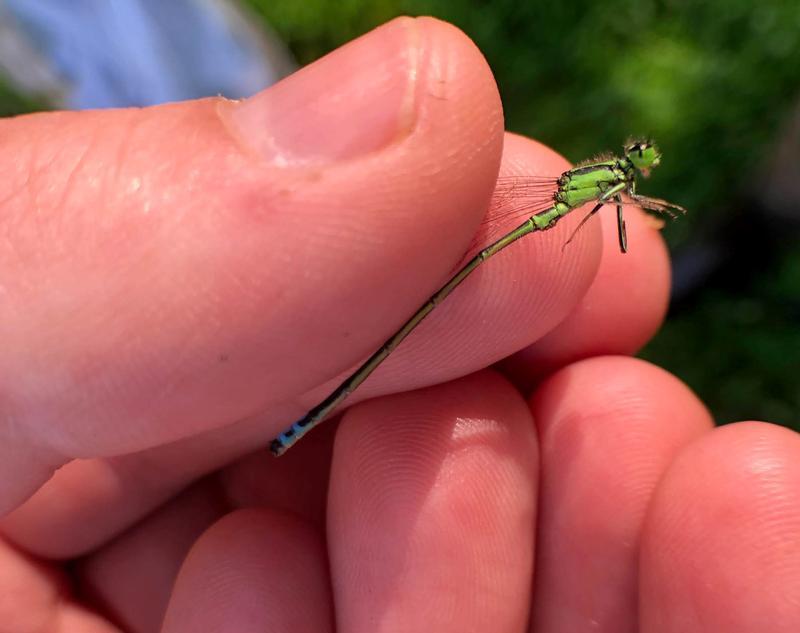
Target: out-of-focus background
{"x": 716, "y": 82}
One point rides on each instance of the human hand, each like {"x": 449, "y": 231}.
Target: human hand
{"x": 178, "y": 283}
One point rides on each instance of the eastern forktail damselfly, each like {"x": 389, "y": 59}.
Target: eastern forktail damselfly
{"x": 601, "y": 180}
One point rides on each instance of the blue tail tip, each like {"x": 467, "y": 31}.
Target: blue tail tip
{"x": 277, "y": 447}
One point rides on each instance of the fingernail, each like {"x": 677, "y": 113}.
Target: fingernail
{"x": 356, "y": 100}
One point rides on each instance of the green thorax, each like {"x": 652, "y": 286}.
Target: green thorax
{"x": 588, "y": 182}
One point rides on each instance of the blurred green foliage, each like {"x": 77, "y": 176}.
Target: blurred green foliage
{"x": 12, "y": 102}
{"x": 740, "y": 348}
{"x": 711, "y": 80}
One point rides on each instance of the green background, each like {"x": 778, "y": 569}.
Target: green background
{"x": 715, "y": 82}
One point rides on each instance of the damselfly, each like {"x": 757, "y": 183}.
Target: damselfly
{"x": 601, "y": 180}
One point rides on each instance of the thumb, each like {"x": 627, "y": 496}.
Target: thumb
{"x": 161, "y": 269}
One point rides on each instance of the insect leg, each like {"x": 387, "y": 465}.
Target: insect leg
{"x": 623, "y": 236}
{"x": 614, "y": 191}
{"x": 654, "y": 204}
{"x": 582, "y": 222}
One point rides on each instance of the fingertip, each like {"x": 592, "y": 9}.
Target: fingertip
{"x": 253, "y": 569}
{"x": 601, "y": 385}
{"x": 429, "y": 489}
{"x": 619, "y": 416}
{"x": 414, "y": 431}
{"x": 721, "y": 549}
{"x": 622, "y": 309}
{"x": 608, "y": 428}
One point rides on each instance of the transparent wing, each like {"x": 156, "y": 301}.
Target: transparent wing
{"x": 518, "y": 197}
{"x": 534, "y": 188}
{"x": 515, "y": 199}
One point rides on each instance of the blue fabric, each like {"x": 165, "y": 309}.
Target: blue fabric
{"x": 142, "y": 52}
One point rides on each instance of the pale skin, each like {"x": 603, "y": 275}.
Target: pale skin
{"x": 179, "y": 283}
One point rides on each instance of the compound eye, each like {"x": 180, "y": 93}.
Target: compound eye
{"x": 638, "y": 147}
